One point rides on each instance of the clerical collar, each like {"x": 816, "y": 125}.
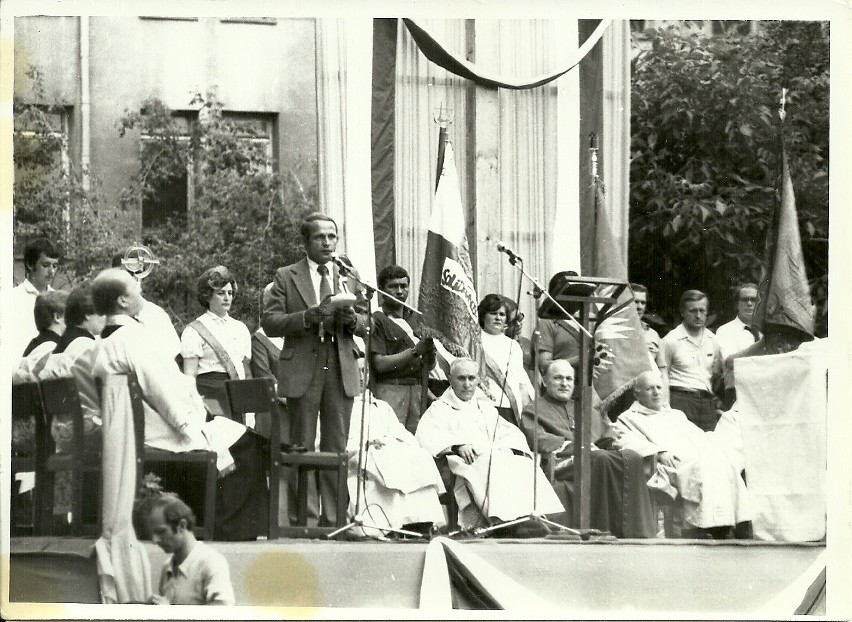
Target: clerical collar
{"x": 453, "y": 401}
{"x": 114, "y": 322}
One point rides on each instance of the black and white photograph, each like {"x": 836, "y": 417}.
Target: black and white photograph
{"x": 423, "y": 310}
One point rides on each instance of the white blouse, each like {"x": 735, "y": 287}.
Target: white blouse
{"x": 503, "y": 350}
{"x": 232, "y": 334}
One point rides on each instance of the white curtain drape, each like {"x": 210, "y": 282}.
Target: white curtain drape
{"x": 344, "y": 51}
{"x": 616, "y": 123}
{"x": 421, "y": 89}
{"x": 537, "y": 155}
{"x": 538, "y": 158}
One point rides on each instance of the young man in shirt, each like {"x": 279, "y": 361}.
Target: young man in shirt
{"x": 738, "y": 334}
{"x": 194, "y": 573}
{"x": 41, "y": 259}
{"x": 693, "y": 362}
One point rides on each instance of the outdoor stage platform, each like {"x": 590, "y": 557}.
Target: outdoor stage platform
{"x": 578, "y": 579}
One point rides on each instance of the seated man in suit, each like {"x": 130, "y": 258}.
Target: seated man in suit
{"x": 620, "y": 502}
{"x": 494, "y": 468}
{"x": 698, "y": 467}
{"x": 175, "y": 418}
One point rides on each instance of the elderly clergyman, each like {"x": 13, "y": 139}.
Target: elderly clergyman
{"x": 697, "y": 466}
{"x": 489, "y": 456}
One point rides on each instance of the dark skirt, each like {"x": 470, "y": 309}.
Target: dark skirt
{"x": 242, "y": 496}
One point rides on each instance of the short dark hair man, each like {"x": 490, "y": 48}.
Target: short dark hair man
{"x": 319, "y": 369}
{"x": 194, "y": 573}
{"x": 693, "y": 362}
{"x": 738, "y": 334}
{"x": 397, "y": 355}
{"x": 41, "y": 259}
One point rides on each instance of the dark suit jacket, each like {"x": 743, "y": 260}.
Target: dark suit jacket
{"x": 292, "y": 294}
{"x": 264, "y": 357}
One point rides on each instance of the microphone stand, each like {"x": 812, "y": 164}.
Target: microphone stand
{"x": 534, "y": 518}
{"x": 361, "y": 473}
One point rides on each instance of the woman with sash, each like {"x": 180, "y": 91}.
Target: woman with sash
{"x": 506, "y": 381}
{"x": 216, "y": 347}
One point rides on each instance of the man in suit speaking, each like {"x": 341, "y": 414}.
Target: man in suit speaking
{"x": 318, "y": 372}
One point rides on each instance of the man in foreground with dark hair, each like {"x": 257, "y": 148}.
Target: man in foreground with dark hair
{"x": 194, "y": 573}
{"x": 738, "y": 334}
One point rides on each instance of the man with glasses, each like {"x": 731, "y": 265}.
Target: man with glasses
{"x": 738, "y": 334}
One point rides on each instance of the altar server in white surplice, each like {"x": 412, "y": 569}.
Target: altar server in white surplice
{"x": 401, "y": 483}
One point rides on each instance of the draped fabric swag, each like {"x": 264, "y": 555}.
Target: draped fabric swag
{"x": 537, "y": 211}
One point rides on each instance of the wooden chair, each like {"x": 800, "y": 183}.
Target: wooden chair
{"x": 28, "y": 453}
{"x": 257, "y": 395}
{"x": 61, "y": 401}
{"x": 146, "y": 457}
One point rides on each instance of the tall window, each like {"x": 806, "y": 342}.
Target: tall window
{"x": 42, "y": 165}
{"x": 173, "y": 192}
{"x": 170, "y": 196}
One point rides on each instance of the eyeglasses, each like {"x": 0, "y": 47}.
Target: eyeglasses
{"x": 749, "y": 299}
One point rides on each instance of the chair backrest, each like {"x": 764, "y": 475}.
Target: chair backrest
{"x": 254, "y": 395}
{"x": 61, "y": 401}
{"x": 28, "y": 427}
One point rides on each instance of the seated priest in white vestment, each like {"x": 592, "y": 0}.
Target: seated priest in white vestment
{"x": 175, "y": 417}
{"x": 489, "y": 456}
{"x": 695, "y": 466}
{"x": 401, "y": 482}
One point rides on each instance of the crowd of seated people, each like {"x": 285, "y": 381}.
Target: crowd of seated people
{"x": 481, "y": 429}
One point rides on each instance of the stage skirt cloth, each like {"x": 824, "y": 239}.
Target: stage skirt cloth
{"x": 620, "y": 502}
{"x": 242, "y": 496}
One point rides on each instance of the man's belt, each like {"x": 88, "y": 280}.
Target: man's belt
{"x": 695, "y": 392}
{"x": 404, "y": 381}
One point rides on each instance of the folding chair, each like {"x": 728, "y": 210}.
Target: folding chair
{"x": 146, "y": 457}
{"x": 28, "y": 454}
{"x": 257, "y": 395}
{"x": 61, "y": 401}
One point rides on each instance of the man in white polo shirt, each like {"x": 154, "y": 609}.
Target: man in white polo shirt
{"x": 693, "y": 362}
{"x": 738, "y": 334}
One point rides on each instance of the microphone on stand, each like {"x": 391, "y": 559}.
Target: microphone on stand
{"x": 513, "y": 257}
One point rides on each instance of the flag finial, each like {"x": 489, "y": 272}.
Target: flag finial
{"x": 443, "y": 116}
{"x": 782, "y": 108}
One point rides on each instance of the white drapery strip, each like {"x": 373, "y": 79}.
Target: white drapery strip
{"x": 344, "y": 96}
{"x": 616, "y": 135}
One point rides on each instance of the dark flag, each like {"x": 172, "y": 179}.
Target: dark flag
{"x": 620, "y": 351}
{"x": 785, "y": 298}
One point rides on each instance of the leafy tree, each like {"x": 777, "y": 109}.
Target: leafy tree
{"x": 53, "y": 197}
{"x": 705, "y": 158}
{"x": 242, "y": 213}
